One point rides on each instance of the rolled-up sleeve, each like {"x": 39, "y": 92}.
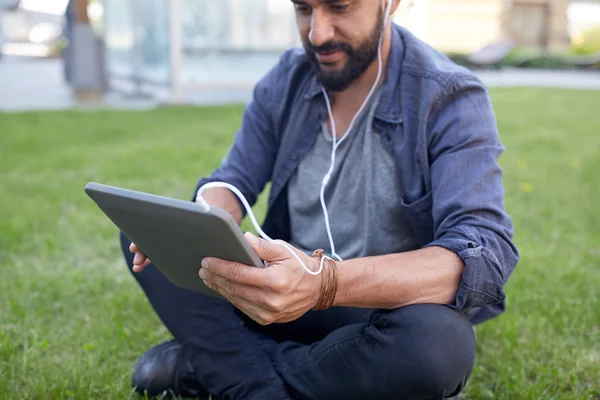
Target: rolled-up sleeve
{"x": 468, "y": 195}
{"x": 249, "y": 163}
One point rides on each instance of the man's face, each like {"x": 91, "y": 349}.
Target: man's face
{"x": 341, "y": 37}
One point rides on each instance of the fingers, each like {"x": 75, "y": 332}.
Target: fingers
{"x": 242, "y": 297}
{"x": 140, "y": 261}
{"x": 139, "y": 258}
{"x": 251, "y": 310}
{"x": 266, "y": 250}
{"x": 235, "y": 272}
{"x": 140, "y": 267}
{"x": 231, "y": 289}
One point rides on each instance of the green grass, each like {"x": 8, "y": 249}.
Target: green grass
{"x": 73, "y": 322}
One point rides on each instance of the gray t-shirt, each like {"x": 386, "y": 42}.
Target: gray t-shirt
{"x": 362, "y": 196}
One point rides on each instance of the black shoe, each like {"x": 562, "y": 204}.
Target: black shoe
{"x": 163, "y": 371}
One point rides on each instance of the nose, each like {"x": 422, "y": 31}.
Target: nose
{"x": 321, "y": 29}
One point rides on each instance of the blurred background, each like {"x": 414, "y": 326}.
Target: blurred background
{"x": 148, "y": 94}
{"x": 214, "y": 51}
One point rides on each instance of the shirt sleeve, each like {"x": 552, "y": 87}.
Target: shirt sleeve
{"x": 249, "y": 163}
{"x": 468, "y": 195}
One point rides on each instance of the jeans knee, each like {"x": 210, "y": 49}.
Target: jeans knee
{"x": 429, "y": 351}
{"x": 436, "y": 377}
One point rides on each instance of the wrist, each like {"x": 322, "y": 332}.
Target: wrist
{"x": 316, "y": 289}
{"x": 348, "y": 284}
{"x": 314, "y": 292}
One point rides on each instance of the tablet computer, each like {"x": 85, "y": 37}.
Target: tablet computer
{"x": 175, "y": 234}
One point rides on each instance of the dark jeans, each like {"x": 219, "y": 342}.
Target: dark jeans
{"x": 414, "y": 352}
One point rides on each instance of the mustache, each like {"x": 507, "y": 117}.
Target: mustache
{"x": 329, "y": 47}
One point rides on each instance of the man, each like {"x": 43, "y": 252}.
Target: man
{"x": 416, "y": 206}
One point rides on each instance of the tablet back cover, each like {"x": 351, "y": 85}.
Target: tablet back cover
{"x": 175, "y": 234}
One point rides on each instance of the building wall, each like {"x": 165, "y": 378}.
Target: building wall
{"x": 468, "y": 25}
{"x": 454, "y": 25}
{"x": 537, "y": 23}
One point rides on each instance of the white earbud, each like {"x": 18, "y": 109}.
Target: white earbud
{"x": 335, "y": 144}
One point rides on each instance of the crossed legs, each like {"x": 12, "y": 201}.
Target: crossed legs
{"x": 416, "y": 352}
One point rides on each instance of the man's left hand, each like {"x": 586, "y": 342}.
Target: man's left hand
{"x": 281, "y": 292}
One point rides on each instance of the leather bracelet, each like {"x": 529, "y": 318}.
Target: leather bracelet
{"x": 329, "y": 282}
{"x": 318, "y": 254}
{"x": 334, "y": 284}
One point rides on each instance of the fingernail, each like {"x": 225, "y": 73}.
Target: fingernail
{"x": 250, "y": 238}
{"x": 204, "y": 263}
{"x": 202, "y": 274}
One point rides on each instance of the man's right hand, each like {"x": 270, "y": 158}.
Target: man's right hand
{"x": 140, "y": 261}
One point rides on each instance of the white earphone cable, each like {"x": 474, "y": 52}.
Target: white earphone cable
{"x": 206, "y": 206}
{"x": 335, "y": 144}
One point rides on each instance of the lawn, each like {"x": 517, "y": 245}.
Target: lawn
{"x": 73, "y": 322}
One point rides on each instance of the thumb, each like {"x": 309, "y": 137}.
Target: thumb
{"x": 266, "y": 250}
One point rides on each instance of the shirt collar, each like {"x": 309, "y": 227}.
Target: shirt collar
{"x": 387, "y": 110}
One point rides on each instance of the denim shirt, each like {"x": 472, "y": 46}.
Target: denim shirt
{"x": 437, "y": 121}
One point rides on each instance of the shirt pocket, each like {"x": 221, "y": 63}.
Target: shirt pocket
{"x": 418, "y": 213}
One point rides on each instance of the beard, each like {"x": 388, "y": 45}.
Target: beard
{"x": 359, "y": 58}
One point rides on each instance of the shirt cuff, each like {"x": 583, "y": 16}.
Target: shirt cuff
{"x": 482, "y": 283}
